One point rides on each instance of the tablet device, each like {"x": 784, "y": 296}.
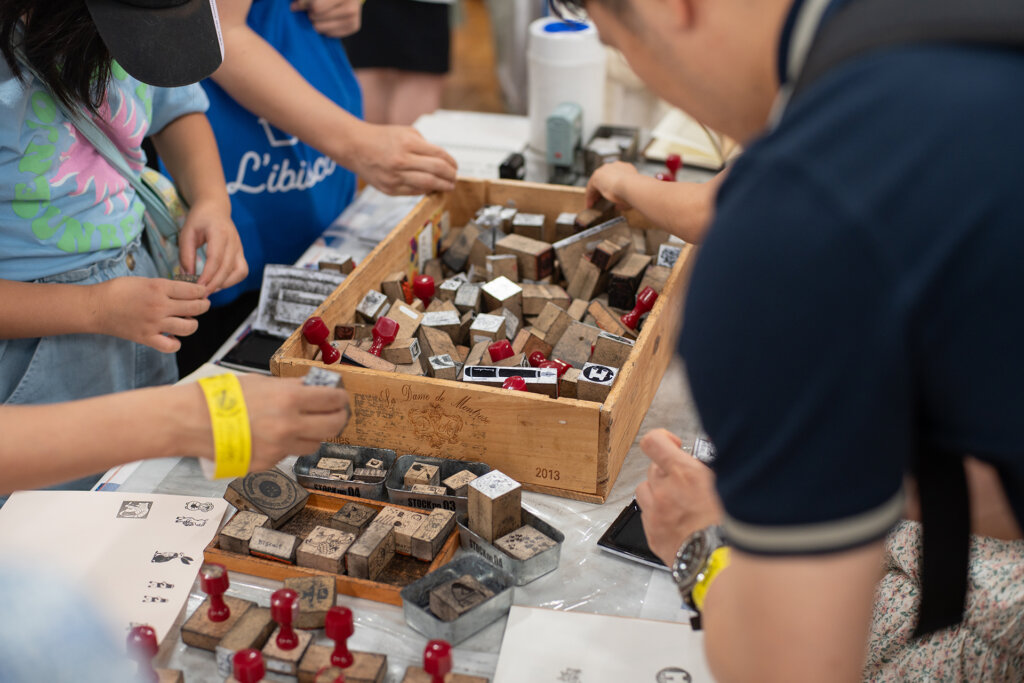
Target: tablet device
{"x": 625, "y": 538}
{"x": 252, "y": 352}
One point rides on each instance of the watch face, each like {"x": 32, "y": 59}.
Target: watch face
{"x": 691, "y": 559}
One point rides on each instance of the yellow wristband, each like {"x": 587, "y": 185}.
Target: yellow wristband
{"x": 718, "y": 561}
{"x": 232, "y": 438}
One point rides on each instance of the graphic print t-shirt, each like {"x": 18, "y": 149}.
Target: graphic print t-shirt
{"x": 62, "y": 206}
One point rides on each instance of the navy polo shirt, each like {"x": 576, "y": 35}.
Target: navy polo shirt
{"x": 859, "y": 292}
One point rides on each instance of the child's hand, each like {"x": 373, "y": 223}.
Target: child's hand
{"x": 150, "y": 311}
{"x": 211, "y": 224}
{"x": 334, "y": 18}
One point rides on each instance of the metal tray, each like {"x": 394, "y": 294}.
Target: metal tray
{"x": 358, "y": 455}
{"x": 398, "y": 494}
{"x": 523, "y": 571}
{"x": 416, "y": 600}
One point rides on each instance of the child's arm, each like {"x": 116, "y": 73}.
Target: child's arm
{"x": 189, "y": 151}
{"x": 143, "y": 310}
{"x": 394, "y": 159}
{"x": 284, "y": 417}
{"x": 683, "y": 209}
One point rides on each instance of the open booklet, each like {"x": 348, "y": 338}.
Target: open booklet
{"x": 679, "y": 133}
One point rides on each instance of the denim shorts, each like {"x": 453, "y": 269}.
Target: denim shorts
{"x": 74, "y": 366}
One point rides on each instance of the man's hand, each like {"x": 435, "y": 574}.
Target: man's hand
{"x": 211, "y": 224}
{"x": 287, "y": 417}
{"x": 398, "y": 161}
{"x": 334, "y": 18}
{"x": 678, "y": 497}
{"x": 609, "y": 181}
{"x": 147, "y": 310}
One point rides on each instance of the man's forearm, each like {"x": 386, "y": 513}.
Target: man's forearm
{"x": 96, "y": 434}
{"x": 683, "y": 209}
{"x": 29, "y": 309}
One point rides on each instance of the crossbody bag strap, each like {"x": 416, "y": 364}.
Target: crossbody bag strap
{"x": 154, "y": 203}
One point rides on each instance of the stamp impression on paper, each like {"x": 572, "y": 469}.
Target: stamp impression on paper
{"x": 135, "y": 509}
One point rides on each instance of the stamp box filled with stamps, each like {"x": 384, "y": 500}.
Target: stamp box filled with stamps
{"x": 566, "y": 447}
{"x": 318, "y": 511}
{"x": 400, "y": 494}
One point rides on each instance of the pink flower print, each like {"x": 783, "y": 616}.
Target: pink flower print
{"x": 86, "y": 167}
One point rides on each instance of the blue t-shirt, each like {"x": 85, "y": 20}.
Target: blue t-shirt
{"x": 857, "y": 295}
{"x": 62, "y": 206}
{"x": 283, "y": 192}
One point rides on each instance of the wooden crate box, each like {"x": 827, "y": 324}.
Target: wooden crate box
{"x": 564, "y": 447}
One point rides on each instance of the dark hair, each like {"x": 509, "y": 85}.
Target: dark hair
{"x": 60, "y": 41}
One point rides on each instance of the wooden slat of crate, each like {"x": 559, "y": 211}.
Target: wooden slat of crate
{"x": 566, "y": 447}
{"x": 405, "y": 571}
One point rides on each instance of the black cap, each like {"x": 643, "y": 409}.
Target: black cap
{"x": 165, "y": 43}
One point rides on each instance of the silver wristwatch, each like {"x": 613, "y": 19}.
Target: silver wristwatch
{"x": 692, "y": 560}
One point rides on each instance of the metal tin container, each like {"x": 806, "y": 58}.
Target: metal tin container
{"x": 398, "y": 494}
{"x": 523, "y": 571}
{"x": 416, "y": 600}
{"x": 358, "y": 455}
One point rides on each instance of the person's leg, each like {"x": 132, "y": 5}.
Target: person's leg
{"x": 377, "y": 85}
{"x": 413, "y": 95}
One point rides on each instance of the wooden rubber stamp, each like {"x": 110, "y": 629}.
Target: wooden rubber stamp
{"x": 353, "y": 518}
{"x": 459, "y": 481}
{"x": 434, "y": 342}
{"x": 142, "y": 646}
{"x": 324, "y": 549}
{"x": 587, "y": 280}
{"x": 408, "y": 320}
{"x": 533, "y": 225}
{"x": 502, "y": 265}
{"x": 341, "y": 263}
{"x": 271, "y": 493}
{"x": 538, "y": 380}
{"x": 609, "y": 321}
{"x": 495, "y": 505}
{"x": 357, "y": 667}
{"x": 488, "y": 328}
{"x": 602, "y": 210}
{"x": 644, "y": 303}
{"x": 452, "y": 599}
{"x": 405, "y": 523}
{"x": 373, "y": 306}
{"x": 624, "y": 279}
{"x": 428, "y": 539}
{"x": 248, "y": 667}
{"x": 485, "y": 245}
{"x": 391, "y": 286}
{"x": 402, "y": 351}
{"x": 442, "y": 367}
{"x": 456, "y": 256}
{"x": 468, "y": 298}
{"x": 570, "y": 249}
{"x": 353, "y": 355}
{"x": 217, "y": 614}
{"x": 322, "y": 377}
{"x": 339, "y": 465}
{"x": 574, "y": 346}
{"x": 503, "y": 293}
{"x": 609, "y": 252}
{"x": 552, "y": 323}
{"x": 447, "y": 290}
{"x": 567, "y": 383}
{"x": 368, "y": 475}
{"x": 428, "y": 489}
{"x": 536, "y": 258}
{"x": 595, "y": 382}
{"x": 371, "y": 553}
{"x": 251, "y": 631}
{"x": 273, "y": 545}
{"x": 655, "y": 277}
{"x": 352, "y": 331}
{"x": 374, "y": 464}
{"x": 235, "y": 535}
{"x": 565, "y": 225}
{"x": 524, "y": 543}
{"x": 286, "y": 646}
{"x": 437, "y": 667}
{"x": 535, "y": 296}
{"x": 422, "y": 473}
{"x": 317, "y": 594}
{"x": 611, "y": 350}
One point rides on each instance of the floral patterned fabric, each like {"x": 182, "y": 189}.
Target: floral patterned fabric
{"x": 987, "y": 646}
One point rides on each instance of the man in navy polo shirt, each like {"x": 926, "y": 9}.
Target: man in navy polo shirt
{"x": 856, "y": 302}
